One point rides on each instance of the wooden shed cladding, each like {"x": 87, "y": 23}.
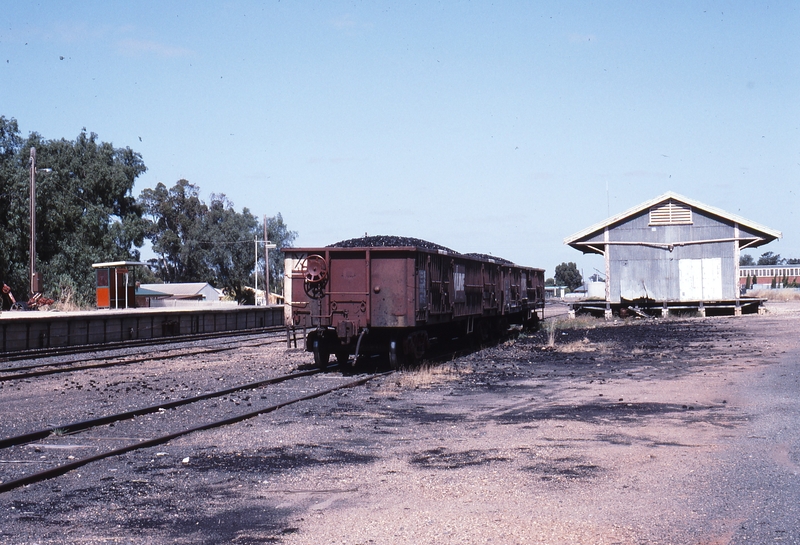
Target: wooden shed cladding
{"x": 672, "y": 249}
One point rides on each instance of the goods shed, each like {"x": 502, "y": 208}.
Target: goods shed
{"x": 672, "y": 253}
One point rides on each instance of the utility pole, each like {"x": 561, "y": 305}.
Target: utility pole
{"x": 267, "y": 246}
{"x": 34, "y": 287}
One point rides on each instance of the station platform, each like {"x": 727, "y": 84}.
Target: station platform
{"x": 31, "y": 330}
{"x": 734, "y": 307}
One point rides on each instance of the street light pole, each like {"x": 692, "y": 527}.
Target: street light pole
{"x": 267, "y": 246}
{"x": 35, "y": 286}
{"x": 34, "y": 277}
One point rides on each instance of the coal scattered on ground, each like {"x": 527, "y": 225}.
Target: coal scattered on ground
{"x": 629, "y": 431}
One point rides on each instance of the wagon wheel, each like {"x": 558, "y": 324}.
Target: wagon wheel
{"x": 394, "y": 357}
{"x": 533, "y": 323}
{"x": 343, "y": 359}
{"x": 321, "y": 355}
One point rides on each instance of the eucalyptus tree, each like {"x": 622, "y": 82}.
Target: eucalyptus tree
{"x": 567, "y": 274}
{"x": 175, "y": 229}
{"x": 279, "y": 234}
{"x": 85, "y": 209}
{"x": 199, "y": 242}
{"x": 14, "y": 213}
{"x": 229, "y": 239}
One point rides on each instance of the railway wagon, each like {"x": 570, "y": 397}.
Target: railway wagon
{"x": 395, "y": 295}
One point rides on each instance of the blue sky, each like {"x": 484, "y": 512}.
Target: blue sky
{"x": 486, "y": 127}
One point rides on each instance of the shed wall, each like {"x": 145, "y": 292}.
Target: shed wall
{"x": 704, "y": 271}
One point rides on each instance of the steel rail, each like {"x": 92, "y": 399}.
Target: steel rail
{"x": 60, "y": 470}
{"x": 117, "y": 361}
{"x": 79, "y": 349}
{"x": 127, "y": 415}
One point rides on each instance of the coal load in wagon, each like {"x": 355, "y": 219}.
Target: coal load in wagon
{"x": 486, "y": 257}
{"x": 385, "y": 241}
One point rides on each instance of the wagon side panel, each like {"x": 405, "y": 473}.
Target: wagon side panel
{"x": 348, "y": 292}
{"x": 393, "y": 289}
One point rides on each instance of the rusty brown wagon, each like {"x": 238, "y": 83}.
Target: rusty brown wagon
{"x": 394, "y": 295}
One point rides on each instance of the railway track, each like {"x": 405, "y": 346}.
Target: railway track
{"x": 111, "y": 428}
{"x": 43, "y": 368}
{"x": 136, "y": 343}
{"x": 41, "y": 454}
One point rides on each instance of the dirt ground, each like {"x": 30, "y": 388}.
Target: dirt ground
{"x": 637, "y": 432}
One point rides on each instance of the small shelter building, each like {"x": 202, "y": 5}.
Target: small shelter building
{"x": 115, "y": 284}
{"x": 672, "y": 253}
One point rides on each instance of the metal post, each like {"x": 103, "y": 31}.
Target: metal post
{"x": 267, "y": 246}
{"x": 34, "y": 283}
{"x": 255, "y": 270}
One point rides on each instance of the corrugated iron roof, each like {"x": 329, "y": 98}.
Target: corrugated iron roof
{"x": 769, "y": 234}
{"x": 181, "y": 288}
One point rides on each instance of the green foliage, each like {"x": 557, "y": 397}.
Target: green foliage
{"x": 769, "y": 258}
{"x": 746, "y": 260}
{"x": 175, "y": 226}
{"x": 199, "y": 242}
{"x": 280, "y": 235}
{"x": 229, "y": 246}
{"x": 567, "y": 274}
{"x": 85, "y": 210}
{"x": 86, "y": 213}
{"x": 14, "y": 215}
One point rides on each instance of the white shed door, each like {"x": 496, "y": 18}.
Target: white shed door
{"x": 700, "y": 279}
{"x": 712, "y": 279}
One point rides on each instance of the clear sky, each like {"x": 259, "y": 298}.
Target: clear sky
{"x": 491, "y": 127}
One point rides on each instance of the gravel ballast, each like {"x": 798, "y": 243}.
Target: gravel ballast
{"x": 673, "y": 431}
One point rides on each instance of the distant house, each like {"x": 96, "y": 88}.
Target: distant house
{"x": 766, "y": 276}
{"x": 159, "y": 294}
{"x": 670, "y": 250}
{"x": 555, "y": 292}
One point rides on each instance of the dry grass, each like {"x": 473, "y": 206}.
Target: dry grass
{"x": 584, "y": 345}
{"x": 66, "y": 300}
{"x": 787, "y": 294}
{"x": 425, "y": 376}
{"x": 553, "y": 325}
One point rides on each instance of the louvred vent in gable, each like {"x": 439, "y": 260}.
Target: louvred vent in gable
{"x": 670, "y": 213}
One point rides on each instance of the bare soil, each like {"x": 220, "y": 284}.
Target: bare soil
{"x": 660, "y": 431}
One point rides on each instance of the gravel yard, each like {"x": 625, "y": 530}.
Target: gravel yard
{"x": 663, "y": 431}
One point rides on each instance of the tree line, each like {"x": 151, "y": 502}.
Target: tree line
{"x": 86, "y": 213}
{"x": 767, "y": 258}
